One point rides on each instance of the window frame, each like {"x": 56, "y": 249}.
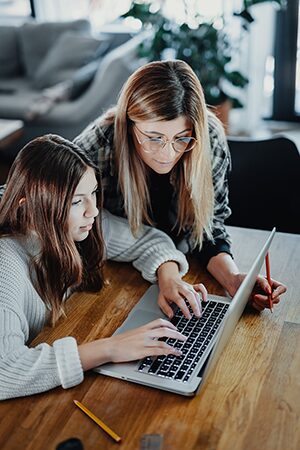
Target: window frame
{"x": 285, "y": 56}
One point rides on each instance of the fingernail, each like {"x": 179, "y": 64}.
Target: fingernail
{"x": 178, "y": 352}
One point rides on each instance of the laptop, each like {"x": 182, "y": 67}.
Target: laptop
{"x": 206, "y": 338}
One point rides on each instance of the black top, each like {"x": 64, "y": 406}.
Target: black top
{"x": 161, "y": 193}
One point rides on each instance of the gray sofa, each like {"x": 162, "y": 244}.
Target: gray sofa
{"x": 57, "y": 77}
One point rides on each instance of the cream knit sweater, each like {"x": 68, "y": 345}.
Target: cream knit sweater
{"x": 26, "y": 371}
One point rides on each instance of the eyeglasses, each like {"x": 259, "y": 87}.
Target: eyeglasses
{"x": 179, "y": 145}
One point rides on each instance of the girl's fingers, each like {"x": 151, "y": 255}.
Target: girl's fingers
{"x": 166, "y": 332}
{"x": 157, "y": 351}
{"x": 158, "y": 323}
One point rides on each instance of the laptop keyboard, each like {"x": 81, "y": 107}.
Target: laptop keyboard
{"x": 199, "y": 333}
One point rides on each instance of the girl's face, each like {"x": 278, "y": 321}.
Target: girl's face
{"x": 83, "y": 209}
{"x": 159, "y": 153}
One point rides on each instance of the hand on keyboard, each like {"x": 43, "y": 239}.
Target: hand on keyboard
{"x": 179, "y": 292}
{"x": 147, "y": 340}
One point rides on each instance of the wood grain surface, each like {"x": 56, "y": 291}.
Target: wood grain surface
{"x": 250, "y": 402}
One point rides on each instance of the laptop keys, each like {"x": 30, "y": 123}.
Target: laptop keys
{"x": 199, "y": 334}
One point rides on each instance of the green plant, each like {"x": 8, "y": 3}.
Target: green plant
{"x": 207, "y": 49}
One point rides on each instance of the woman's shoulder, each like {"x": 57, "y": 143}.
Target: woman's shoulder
{"x": 97, "y": 139}
{"x": 100, "y": 132}
{"x": 220, "y": 154}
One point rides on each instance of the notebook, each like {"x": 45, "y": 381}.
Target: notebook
{"x": 206, "y": 338}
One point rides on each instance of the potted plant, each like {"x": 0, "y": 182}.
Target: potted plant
{"x": 208, "y": 49}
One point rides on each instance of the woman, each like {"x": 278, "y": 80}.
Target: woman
{"x": 50, "y": 245}
{"x": 164, "y": 161}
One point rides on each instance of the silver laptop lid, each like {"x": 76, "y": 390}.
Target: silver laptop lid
{"x": 147, "y": 309}
{"x": 236, "y": 308}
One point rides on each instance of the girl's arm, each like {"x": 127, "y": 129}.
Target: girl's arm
{"x": 26, "y": 371}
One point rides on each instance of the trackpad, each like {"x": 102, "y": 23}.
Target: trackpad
{"x": 138, "y": 318}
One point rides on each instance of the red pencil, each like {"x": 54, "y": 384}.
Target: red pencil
{"x": 268, "y": 272}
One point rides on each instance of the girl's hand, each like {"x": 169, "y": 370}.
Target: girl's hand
{"x": 176, "y": 291}
{"x": 259, "y": 299}
{"x": 143, "y": 341}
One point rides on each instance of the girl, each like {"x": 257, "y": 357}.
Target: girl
{"x": 164, "y": 161}
{"x": 50, "y": 245}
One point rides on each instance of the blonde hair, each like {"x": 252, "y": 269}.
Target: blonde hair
{"x": 165, "y": 90}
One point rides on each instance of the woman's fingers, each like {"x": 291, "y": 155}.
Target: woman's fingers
{"x": 260, "y": 299}
{"x": 165, "y": 306}
{"x": 201, "y": 288}
{"x": 279, "y": 289}
{"x": 193, "y": 298}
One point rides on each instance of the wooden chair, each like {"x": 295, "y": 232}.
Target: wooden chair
{"x": 264, "y": 184}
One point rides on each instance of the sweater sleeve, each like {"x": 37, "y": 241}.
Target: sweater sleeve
{"x": 147, "y": 251}
{"x": 24, "y": 370}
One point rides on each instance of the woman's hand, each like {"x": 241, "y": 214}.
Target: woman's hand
{"x": 143, "y": 341}
{"x": 259, "y": 298}
{"x": 172, "y": 289}
{"x": 178, "y": 292}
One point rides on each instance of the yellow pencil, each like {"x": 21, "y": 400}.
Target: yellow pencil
{"x": 98, "y": 421}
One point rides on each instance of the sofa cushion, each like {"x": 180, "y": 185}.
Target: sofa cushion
{"x": 10, "y": 64}
{"x": 69, "y": 53}
{"x": 36, "y": 39}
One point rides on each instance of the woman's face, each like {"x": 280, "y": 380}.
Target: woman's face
{"x": 163, "y": 158}
{"x": 83, "y": 209}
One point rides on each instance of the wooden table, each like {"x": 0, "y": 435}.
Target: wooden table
{"x": 250, "y": 402}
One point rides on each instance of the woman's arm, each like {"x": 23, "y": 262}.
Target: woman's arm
{"x": 154, "y": 254}
{"x": 225, "y": 271}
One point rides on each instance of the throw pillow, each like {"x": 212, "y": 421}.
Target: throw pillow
{"x": 37, "y": 38}
{"x": 10, "y": 64}
{"x": 69, "y": 53}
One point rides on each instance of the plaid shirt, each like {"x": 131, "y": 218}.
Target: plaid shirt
{"x": 97, "y": 141}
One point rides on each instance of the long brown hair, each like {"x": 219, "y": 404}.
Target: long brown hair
{"x": 165, "y": 90}
{"x": 40, "y": 187}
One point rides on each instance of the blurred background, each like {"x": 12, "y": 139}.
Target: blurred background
{"x": 63, "y": 62}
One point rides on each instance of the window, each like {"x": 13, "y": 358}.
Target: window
{"x": 297, "y": 96}
{"x": 16, "y": 8}
{"x": 286, "y": 100}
